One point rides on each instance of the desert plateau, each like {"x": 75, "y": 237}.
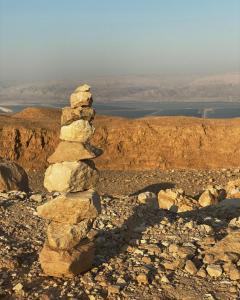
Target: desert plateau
{"x": 169, "y": 224}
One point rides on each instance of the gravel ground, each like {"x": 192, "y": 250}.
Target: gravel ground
{"x": 134, "y": 182}
{"x": 135, "y": 256}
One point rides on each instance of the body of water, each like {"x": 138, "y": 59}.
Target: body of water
{"x": 136, "y": 109}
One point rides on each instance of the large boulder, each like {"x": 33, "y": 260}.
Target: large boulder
{"x": 71, "y": 176}
{"x": 70, "y": 115}
{"x": 78, "y": 131}
{"x": 71, "y": 208}
{"x": 67, "y": 263}
{"x": 73, "y": 151}
{"x": 12, "y": 177}
{"x": 65, "y": 236}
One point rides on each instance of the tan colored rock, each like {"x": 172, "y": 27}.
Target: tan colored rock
{"x": 71, "y": 176}
{"x": 218, "y": 192}
{"x": 71, "y": 208}
{"x": 12, "y": 177}
{"x": 225, "y": 248}
{"x": 175, "y": 200}
{"x": 78, "y": 131}
{"x": 234, "y": 273}
{"x": 81, "y": 98}
{"x": 73, "y": 151}
{"x": 167, "y": 199}
{"x": 190, "y": 267}
{"x": 214, "y": 270}
{"x": 212, "y": 196}
{"x": 65, "y": 236}
{"x": 202, "y": 273}
{"x": 207, "y": 198}
{"x": 70, "y": 115}
{"x": 142, "y": 278}
{"x": 233, "y": 189}
{"x": 83, "y": 88}
{"x": 148, "y": 198}
{"x": 67, "y": 263}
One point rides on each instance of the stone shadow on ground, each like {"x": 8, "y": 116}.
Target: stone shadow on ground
{"x": 217, "y": 216}
{"x": 155, "y": 188}
{"x": 116, "y": 240}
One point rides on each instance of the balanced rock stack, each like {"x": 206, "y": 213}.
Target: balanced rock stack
{"x": 68, "y": 251}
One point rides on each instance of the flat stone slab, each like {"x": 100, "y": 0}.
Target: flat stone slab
{"x": 71, "y": 208}
{"x": 73, "y": 151}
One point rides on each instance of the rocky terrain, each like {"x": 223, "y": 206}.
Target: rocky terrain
{"x": 166, "y": 231}
{"x": 30, "y": 136}
{"x": 141, "y": 252}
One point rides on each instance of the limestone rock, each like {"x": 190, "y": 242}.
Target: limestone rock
{"x": 36, "y": 198}
{"x": 142, "y": 278}
{"x": 12, "y": 177}
{"x": 175, "y": 200}
{"x": 211, "y": 196}
{"x": 70, "y": 115}
{"x": 78, "y": 131}
{"x": 167, "y": 198}
{"x": 234, "y": 273}
{"x": 65, "y": 236}
{"x": 83, "y": 88}
{"x": 67, "y": 263}
{"x": 81, "y": 98}
{"x": 148, "y": 198}
{"x": 71, "y": 176}
{"x": 71, "y": 208}
{"x": 233, "y": 189}
{"x": 214, "y": 270}
{"x": 190, "y": 267}
{"x": 225, "y": 249}
{"x": 207, "y": 198}
{"x": 73, "y": 151}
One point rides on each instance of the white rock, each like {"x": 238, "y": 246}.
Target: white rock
{"x": 71, "y": 176}
{"x": 78, "y": 131}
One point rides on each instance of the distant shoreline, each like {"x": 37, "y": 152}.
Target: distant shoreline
{"x": 134, "y": 109}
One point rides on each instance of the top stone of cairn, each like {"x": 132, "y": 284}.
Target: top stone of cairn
{"x": 83, "y": 88}
{"x": 81, "y": 97}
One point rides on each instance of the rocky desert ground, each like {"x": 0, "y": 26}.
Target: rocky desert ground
{"x": 163, "y": 232}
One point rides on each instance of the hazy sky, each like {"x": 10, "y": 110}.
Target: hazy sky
{"x": 64, "y": 39}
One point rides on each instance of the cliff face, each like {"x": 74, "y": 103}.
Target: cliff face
{"x": 29, "y": 137}
{"x": 149, "y": 143}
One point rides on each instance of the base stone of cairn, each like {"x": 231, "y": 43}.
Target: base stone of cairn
{"x": 67, "y": 263}
{"x": 68, "y": 251}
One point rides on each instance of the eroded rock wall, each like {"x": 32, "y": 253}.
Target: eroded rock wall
{"x": 148, "y": 143}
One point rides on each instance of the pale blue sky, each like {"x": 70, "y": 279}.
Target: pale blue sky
{"x": 64, "y": 39}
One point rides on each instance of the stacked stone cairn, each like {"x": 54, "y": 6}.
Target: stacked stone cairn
{"x": 68, "y": 250}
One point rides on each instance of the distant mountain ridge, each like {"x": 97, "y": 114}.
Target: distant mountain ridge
{"x": 223, "y": 87}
